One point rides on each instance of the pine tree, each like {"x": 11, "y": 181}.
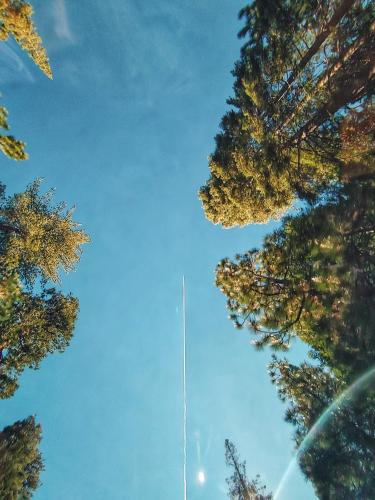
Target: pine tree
{"x": 240, "y": 488}
{"x": 10, "y": 292}
{"x": 36, "y": 240}
{"x": 10, "y": 146}
{"x": 357, "y": 135}
{"x": 313, "y": 278}
{"x": 303, "y": 65}
{"x": 16, "y": 20}
{"x": 338, "y": 456}
{"x": 20, "y": 460}
{"x": 38, "y": 325}
{"x": 36, "y": 237}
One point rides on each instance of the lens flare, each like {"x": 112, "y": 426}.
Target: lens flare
{"x": 201, "y": 477}
{"x": 342, "y": 399}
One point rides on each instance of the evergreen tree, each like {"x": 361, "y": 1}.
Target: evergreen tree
{"x": 314, "y": 278}
{"x": 358, "y": 141}
{"x": 240, "y": 488}
{"x": 20, "y": 460}
{"x": 302, "y": 66}
{"x": 16, "y": 21}
{"x": 10, "y": 146}
{"x": 10, "y": 292}
{"x": 36, "y": 240}
{"x": 338, "y": 456}
{"x": 39, "y": 324}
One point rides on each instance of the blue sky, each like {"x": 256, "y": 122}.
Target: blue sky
{"x": 123, "y": 132}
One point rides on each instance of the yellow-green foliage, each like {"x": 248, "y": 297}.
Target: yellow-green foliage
{"x": 16, "y": 20}
{"x": 313, "y": 167}
{"x": 44, "y": 237}
{"x": 37, "y": 240}
{"x": 10, "y": 146}
{"x": 20, "y": 460}
{"x": 13, "y": 148}
{"x": 313, "y": 279}
{"x": 10, "y": 291}
{"x": 32, "y": 326}
{"x": 281, "y": 140}
{"x": 357, "y": 134}
{"x": 249, "y": 88}
{"x": 3, "y": 118}
{"x": 239, "y": 194}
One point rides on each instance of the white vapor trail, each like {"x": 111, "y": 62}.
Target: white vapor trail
{"x": 184, "y": 380}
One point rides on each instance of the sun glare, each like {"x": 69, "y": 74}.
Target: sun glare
{"x": 201, "y": 477}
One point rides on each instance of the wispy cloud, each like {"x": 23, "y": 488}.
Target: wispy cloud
{"x": 61, "y": 21}
{"x": 13, "y": 69}
{"x": 150, "y": 39}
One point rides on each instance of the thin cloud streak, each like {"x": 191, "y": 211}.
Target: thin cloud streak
{"x": 61, "y": 21}
{"x": 13, "y": 67}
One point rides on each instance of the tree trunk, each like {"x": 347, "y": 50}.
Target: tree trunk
{"x": 8, "y": 228}
{"x": 342, "y": 59}
{"x": 353, "y": 170}
{"x": 354, "y": 90}
{"x": 339, "y": 13}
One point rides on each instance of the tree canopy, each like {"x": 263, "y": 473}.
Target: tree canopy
{"x": 302, "y": 67}
{"x": 10, "y": 146}
{"x": 313, "y": 278}
{"x": 39, "y": 324}
{"x": 21, "y": 462}
{"x": 37, "y": 239}
{"x": 16, "y": 21}
{"x": 301, "y": 126}
{"x": 338, "y": 457}
{"x": 240, "y": 487}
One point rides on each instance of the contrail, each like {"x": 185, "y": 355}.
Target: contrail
{"x": 184, "y": 379}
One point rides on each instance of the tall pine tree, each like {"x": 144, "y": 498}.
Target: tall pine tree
{"x": 338, "y": 455}
{"x": 240, "y": 487}
{"x": 303, "y": 65}
{"x": 21, "y": 462}
{"x": 16, "y": 21}
{"x": 37, "y": 239}
{"x": 313, "y": 278}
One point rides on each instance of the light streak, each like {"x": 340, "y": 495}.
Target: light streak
{"x": 184, "y": 381}
{"x": 319, "y": 424}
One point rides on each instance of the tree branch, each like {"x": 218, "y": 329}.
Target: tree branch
{"x": 339, "y": 13}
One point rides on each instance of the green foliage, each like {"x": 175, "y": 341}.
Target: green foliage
{"x": 16, "y": 20}
{"x": 313, "y": 278}
{"x": 10, "y": 293}
{"x": 238, "y": 187}
{"x": 13, "y": 148}
{"x": 36, "y": 240}
{"x": 20, "y": 460}
{"x": 301, "y": 125}
{"x": 301, "y": 66}
{"x": 10, "y": 146}
{"x": 39, "y": 324}
{"x": 358, "y": 141}
{"x": 38, "y": 237}
{"x": 240, "y": 488}
{"x": 338, "y": 458}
